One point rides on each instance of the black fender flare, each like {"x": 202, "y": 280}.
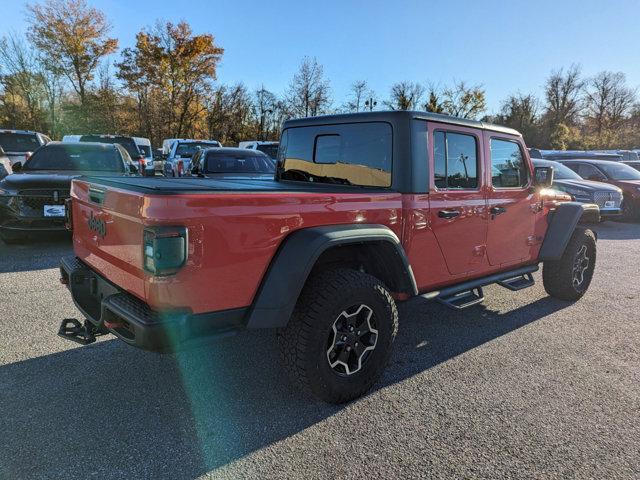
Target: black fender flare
{"x": 562, "y": 223}
{"x": 290, "y": 267}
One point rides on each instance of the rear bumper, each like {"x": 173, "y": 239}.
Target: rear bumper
{"x": 113, "y": 310}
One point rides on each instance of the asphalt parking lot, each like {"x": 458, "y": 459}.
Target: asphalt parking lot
{"x": 522, "y": 386}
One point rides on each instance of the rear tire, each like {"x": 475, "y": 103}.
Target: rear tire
{"x": 339, "y": 338}
{"x": 570, "y": 277}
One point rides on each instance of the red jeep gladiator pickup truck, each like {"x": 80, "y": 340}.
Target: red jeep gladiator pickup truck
{"x": 365, "y": 210}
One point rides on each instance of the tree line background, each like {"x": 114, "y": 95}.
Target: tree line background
{"x": 60, "y": 79}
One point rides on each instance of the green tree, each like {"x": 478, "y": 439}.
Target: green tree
{"x": 170, "y": 71}
{"x": 73, "y": 39}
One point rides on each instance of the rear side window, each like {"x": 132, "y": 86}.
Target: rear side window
{"x": 86, "y": 158}
{"x": 455, "y": 160}
{"x": 18, "y": 142}
{"x": 508, "y": 168}
{"x": 127, "y": 143}
{"x": 348, "y": 154}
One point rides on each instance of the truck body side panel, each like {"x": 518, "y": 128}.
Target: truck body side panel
{"x": 232, "y": 238}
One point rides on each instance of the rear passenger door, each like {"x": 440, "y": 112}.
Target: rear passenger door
{"x": 457, "y": 199}
{"x": 511, "y": 202}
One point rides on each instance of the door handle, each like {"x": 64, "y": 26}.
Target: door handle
{"x": 497, "y": 210}
{"x": 448, "y": 213}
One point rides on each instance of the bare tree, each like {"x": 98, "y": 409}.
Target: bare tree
{"x": 265, "y": 108}
{"x": 405, "y": 96}
{"x": 463, "y": 101}
{"x": 359, "y": 91}
{"x": 563, "y": 94}
{"x": 608, "y": 100}
{"x": 308, "y": 93}
{"x": 72, "y": 37}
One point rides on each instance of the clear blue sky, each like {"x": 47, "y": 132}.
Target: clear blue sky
{"x": 507, "y": 46}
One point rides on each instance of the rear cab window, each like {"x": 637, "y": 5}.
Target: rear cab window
{"x": 357, "y": 154}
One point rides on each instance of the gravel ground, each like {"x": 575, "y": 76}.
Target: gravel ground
{"x": 522, "y": 386}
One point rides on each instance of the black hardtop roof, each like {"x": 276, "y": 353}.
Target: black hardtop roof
{"x": 394, "y": 116}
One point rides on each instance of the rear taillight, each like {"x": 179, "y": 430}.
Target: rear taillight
{"x": 180, "y": 168}
{"x": 165, "y": 249}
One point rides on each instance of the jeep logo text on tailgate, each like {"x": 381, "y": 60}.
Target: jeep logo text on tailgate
{"x": 97, "y": 225}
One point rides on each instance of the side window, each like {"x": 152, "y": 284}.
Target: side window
{"x": 589, "y": 172}
{"x": 508, "y": 168}
{"x": 455, "y": 160}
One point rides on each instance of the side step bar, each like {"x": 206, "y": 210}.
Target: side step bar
{"x": 469, "y": 293}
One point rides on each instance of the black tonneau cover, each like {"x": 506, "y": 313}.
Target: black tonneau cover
{"x": 175, "y": 186}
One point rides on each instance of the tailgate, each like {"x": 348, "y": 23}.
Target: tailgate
{"x": 108, "y": 231}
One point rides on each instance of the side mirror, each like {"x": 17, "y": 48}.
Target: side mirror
{"x": 543, "y": 176}
{"x": 16, "y": 167}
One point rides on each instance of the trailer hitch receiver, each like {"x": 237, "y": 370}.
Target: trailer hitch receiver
{"x": 73, "y": 330}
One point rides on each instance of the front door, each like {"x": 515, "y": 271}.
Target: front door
{"x": 511, "y": 202}
{"x": 457, "y": 203}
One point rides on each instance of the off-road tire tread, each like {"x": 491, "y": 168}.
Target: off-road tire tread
{"x": 557, "y": 276}
{"x": 317, "y": 294}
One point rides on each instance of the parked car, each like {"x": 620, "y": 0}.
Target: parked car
{"x": 270, "y": 148}
{"x": 615, "y": 173}
{"x": 178, "y": 160}
{"x": 365, "y": 210}
{"x": 625, "y": 155}
{"x": 607, "y": 197}
{"x": 633, "y": 164}
{"x": 18, "y": 145}
{"x": 144, "y": 145}
{"x": 32, "y": 199}
{"x": 232, "y": 163}
{"x": 5, "y": 165}
{"x": 138, "y": 157}
{"x": 569, "y": 154}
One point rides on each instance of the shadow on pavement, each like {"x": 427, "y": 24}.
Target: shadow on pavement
{"x": 611, "y": 230}
{"x": 116, "y": 412}
{"x": 39, "y": 254}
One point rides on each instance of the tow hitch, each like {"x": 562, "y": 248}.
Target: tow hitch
{"x": 73, "y": 330}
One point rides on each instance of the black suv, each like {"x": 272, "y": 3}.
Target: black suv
{"x": 32, "y": 199}
{"x": 607, "y": 197}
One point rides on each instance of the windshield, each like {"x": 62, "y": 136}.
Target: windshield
{"x": 18, "y": 142}
{"x": 188, "y": 149}
{"x": 85, "y": 158}
{"x": 619, "y": 171}
{"x": 271, "y": 150}
{"x": 127, "y": 142}
{"x": 145, "y": 149}
{"x": 560, "y": 171}
{"x": 238, "y": 163}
